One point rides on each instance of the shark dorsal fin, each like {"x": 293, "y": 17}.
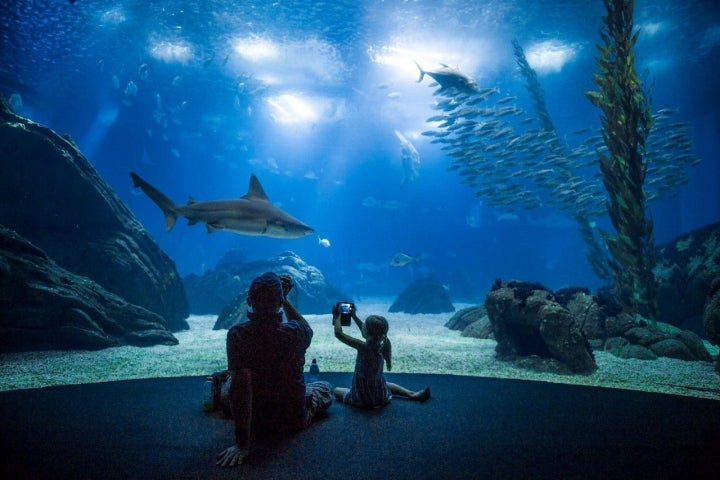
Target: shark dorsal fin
{"x": 255, "y": 190}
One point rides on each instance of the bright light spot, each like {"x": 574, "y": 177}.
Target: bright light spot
{"x": 394, "y": 73}
{"x": 472, "y": 57}
{"x": 304, "y": 61}
{"x": 114, "y": 16}
{"x": 651, "y": 28}
{"x": 269, "y": 78}
{"x": 295, "y": 108}
{"x": 397, "y": 58}
{"x": 550, "y": 56}
{"x": 288, "y": 108}
{"x": 178, "y": 51}
{"x": 256, "y": 49}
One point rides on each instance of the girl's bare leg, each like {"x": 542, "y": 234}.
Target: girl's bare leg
{"x": 420, "y": 395}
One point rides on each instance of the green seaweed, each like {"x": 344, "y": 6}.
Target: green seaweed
{"x": 626, "y": 122}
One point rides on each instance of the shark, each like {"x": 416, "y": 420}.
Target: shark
{"x": 251, "y": 214}
{"x": 449, "y": 78}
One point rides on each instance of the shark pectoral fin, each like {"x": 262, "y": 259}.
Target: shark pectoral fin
{"x": 214, "y": 227}
{"x": 170, "y": 219}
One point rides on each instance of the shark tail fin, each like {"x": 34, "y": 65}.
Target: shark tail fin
{"x": 161, "y": 200}
{"x": 422, "y": 72}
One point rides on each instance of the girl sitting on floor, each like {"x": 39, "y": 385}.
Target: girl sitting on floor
{"x": 369, "y": 388}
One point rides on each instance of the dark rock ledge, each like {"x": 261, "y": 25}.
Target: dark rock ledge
{"x": 43, "y": 306}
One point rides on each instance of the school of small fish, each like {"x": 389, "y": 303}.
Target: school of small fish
{"x": 503, "y": 154}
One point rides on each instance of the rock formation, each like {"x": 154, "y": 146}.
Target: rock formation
{"x": 685, "y": 270}
{"x": 51, "y": 195}
{"x": 528, "y": 322}
{"x": 216, "y": 289}
{"x": 608, "y": 328}
{"x": 711, "y": 317}
{"x": 472, "y": 322}
{"x": 423, "y": 296}
{"x": 43, "y": 306}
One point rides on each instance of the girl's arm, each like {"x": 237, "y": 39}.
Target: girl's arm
{"x": 358, "y": 322}
{"x": 387, "y": 353}
{"x": 342, "y": 336}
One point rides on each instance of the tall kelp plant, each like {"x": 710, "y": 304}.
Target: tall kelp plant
{"x": 626, "y": 122}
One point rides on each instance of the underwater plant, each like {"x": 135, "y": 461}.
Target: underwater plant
{"x": 595, "y": 254}
{"x": 515, "y": 161}
{"x": 626, "y": 122}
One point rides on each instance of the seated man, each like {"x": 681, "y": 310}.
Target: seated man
{"x": 266, "y": 356}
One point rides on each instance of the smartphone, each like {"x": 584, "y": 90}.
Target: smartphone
{"x": 346, "y": 310}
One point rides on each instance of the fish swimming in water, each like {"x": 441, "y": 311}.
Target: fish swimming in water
{"x": 410, "y": 158}
{"x": 251, "y": 214}
{"x": 323, "y": 242}
{"x": 402, "y": 259}
{"x": 449, "y": 78}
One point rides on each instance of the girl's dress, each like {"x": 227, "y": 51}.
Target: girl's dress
{"x": 369, "y": 388}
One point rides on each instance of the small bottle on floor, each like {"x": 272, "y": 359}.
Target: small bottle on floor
{"x": 314, "y": 371}
{"x": 208, "y": 397}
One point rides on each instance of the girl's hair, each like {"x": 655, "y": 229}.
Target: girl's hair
{"x": 376, "y": 327}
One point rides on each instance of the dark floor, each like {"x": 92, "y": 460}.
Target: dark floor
{"x": 471, "y": 428}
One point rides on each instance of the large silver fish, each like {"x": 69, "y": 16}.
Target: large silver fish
{"x": 449, "y": 78}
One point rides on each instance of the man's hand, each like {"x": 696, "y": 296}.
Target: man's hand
{"x": 287, "y": 284}
{"x": 232, "y": 456}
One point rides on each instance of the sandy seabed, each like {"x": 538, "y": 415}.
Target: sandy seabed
{"x": 421, "y": 344}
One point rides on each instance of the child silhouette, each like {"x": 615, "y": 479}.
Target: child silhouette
{"x": 369, "y": 388}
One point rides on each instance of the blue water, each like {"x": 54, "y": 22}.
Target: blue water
{"x": 197, "y": 95}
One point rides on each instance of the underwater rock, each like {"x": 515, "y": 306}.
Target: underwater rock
{"x": 528, "y": 321}
{"x": 465, "y": 317}
{"x": 472, "y": 322}
{"x": 43, "y": 306}
{"x": 479, "y": 329}
{"x": 621, "y": 348}
{"x": 52, "y": 195}
{"x": 588, "y": 313}
{"x": 664, "y": 340}
{"x": 423, "y": 296}
{"x": 216, "y": 289}
{"x": 711, "y": 317}
{"x": 685, "y": 270}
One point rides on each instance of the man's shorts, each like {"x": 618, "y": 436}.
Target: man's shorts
{"x": 318, "y": 398}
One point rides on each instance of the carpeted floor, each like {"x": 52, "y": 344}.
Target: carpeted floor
{"x": 471, "y": 428}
